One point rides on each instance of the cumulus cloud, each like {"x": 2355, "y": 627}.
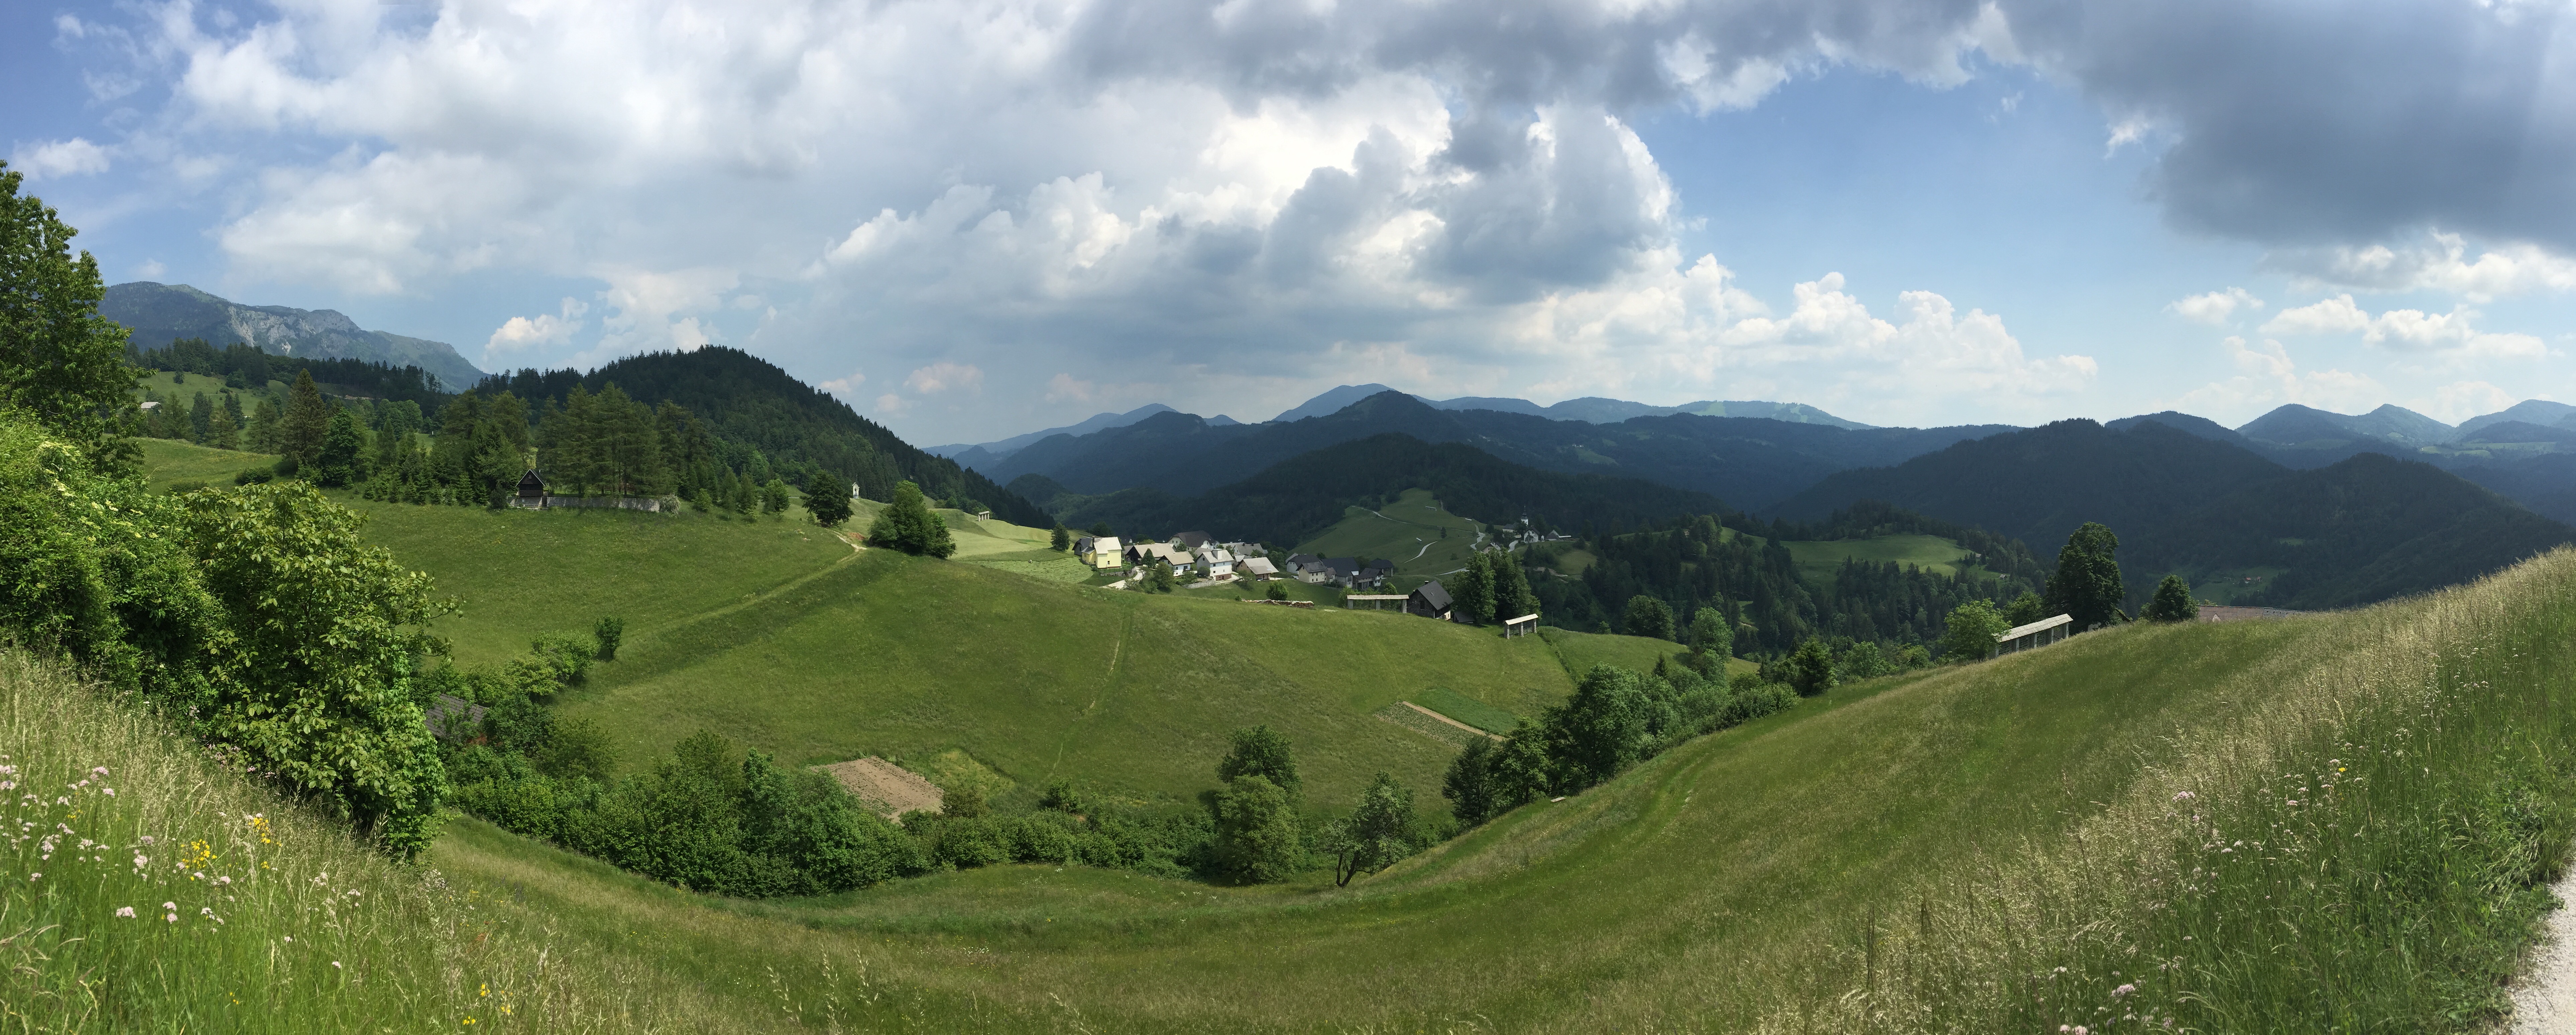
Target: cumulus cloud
{"x": 845, "y": 387}
{"x": 2437, "y": 262}
{"x": 54, "y": 159}
{"x": 1250, "y": 197}
{"x": 2266, "y": 377}
{"x": 945, "y": 377}
{"x": 2216, "y": 308}
{"x": 522, "y": 333}
{"x": 2406, "y": 330}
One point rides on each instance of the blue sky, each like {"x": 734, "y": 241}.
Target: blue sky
{"x": 973, "y": 219}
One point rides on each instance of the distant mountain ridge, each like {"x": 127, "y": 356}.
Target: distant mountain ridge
{"x": 1749, "y": 462}
{"x": 2367, "y": 527}
{"x": 1589, "y": 409}
{"x": 158, "y": 314}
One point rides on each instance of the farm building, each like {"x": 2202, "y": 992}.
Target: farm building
{"x": 1430, "y": 600}
{"x": 1256, "y": 568}
{"x": 2037, "y": 634}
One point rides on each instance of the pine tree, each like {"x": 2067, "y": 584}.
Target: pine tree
{"x": 261, "y": 433}
{"x": 201, "y": 418}
{"x": 307, "y": 422}
{"x": 1060, "y": 539}
{"x": 220, "y": 431}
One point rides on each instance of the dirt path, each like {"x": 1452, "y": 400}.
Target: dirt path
{"x": 1437, "y": 717}
{"x": 888, "y": 788}
{"x": 2544, "y": 1000}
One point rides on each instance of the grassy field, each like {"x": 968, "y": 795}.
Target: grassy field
{"x": 2338, "y": 822}
{"x": 519, "y": 573}
{"x": 170, "y": 461}
{"x": 1910, "y": 854}
{"x": 1818, "y": 559}
{"x": 1408, "y": 532}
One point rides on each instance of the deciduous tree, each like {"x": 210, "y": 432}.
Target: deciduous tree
{"x": 2087, "y": 583}
{"x": 1647, "y": 616}
{"x": 1970, "y": 632}
{"x": 2173, "y": 602}
{"x": 1263, "y": 752}
{"x": 1258, "y": 839}
{"x": 827, "y": 497}
{"x": 1811, "y": 668}
{"x": 60, "y": 361}
{"x": 1376, "y": 834}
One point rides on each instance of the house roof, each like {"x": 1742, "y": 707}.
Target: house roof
{"x": 2042, "y": 625}
{"x": 1215, "y": 555}
{"x": 1259, "y": 566}
{"x": 1431, "y": 593}
{"x": 1192, "y": 540}
{"x": 1096, "y": 544}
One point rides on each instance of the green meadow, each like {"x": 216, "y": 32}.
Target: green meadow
{"x": 1424, "y": 540}
{"x": 2091, "y": 833}
{"x": 170, "y": 461}
{"x": 1817, "y": 559}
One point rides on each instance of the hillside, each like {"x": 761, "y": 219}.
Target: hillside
{"x": 1727, "y": 885}
{"x": 787, "y": 639}
{"x": 158, "y": 314}
{"x": 2365, "y": 528}
{"x": 748, "y": 400}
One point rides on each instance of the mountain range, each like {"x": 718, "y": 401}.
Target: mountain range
{"x": 158, "y": 314}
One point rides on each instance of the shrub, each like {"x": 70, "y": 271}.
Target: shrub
{"x": 1258, "y": 839}
{"x": 609, "y": 633}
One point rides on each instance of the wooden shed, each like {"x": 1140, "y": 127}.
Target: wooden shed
{"x": 2037, "y": 634}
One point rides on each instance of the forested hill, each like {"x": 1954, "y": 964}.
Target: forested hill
{"x": 2367, "y": 528}
{"x": 747, "y": 399}
{"x": 1292, "y": 500}
{"x": 1750, "y": 462}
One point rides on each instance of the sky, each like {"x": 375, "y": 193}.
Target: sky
{"x": 972, "y": 219}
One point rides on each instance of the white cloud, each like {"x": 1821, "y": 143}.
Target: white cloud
{"x": 150, "y": 269}
{"x": 2439, "y": 262}
{"x": 2267, "y": 378}
{"x": 845, "y": 387}
{"x": 944, "y": 376}
{"x": 2216, "y": 308}
{"x": 54, "y": 159}
{"x": 2461, "y": 400}
{"x": 522, "y": 333}
{"x": 2407, "y": 330}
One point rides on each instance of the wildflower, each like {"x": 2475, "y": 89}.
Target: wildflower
{"x": 170, "y": 917}
{"x": 33, "y": 876}
{"x": 335, "y": 965}
{"x": 110, "y": 792}
{"x": 125, "y": 912}
{"x": 98, "y": 771}
{"x": 147, "y": 840}
{"x": 141, "y": 860}
{"x": 2123, "y": 990}
{"x": 169, "y": 905}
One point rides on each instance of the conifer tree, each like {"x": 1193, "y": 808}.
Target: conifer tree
{"x": 201, "y": 418}
{"x": 220, "y": 430}
{"x": 262, "y": 432}
{"x": 1060, "y": 539}
{"x": 307, "y": 422}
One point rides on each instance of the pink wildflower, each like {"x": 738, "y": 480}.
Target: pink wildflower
{"x": 126, "y": 912}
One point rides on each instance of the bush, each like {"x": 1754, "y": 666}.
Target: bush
{"x": 609, "y": 633}
{"x": 1258, "y": 839}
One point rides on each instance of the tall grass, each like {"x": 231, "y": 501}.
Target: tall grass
{"x": 146, "y": 887}
{"x": 2368, "y": 851}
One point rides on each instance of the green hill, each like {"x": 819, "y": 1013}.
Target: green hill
{"x": 1930, "y": 851}
{"x": 1420, "y": 535}
{"x": 782, "y": 636}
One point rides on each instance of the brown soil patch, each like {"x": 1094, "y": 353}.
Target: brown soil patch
{"x": 886, "y": 787}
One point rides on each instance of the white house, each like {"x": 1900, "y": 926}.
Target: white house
{"x": 1215, "y": 561}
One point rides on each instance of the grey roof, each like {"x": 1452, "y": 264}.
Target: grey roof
{"x": 1433, "y": 595}
{"x": 2042, "y": 625}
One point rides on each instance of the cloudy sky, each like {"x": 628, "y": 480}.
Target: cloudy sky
{"x": 973, "y": 218}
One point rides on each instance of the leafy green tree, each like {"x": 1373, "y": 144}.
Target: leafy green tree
{"x": 1970, "y": 633}
{"x": 326, "y": 634}
{"x": 773, "y": 497}
{"x": 1472, "y": 594}
{"x": 1060, "y": 539}
{"x": 1376, "y": 834}
{"x": 1101, "y": 528}
{"x": 827, "y": 497}
{"x": 1263, "y": 752}
{"x": 2173, "y": 602}
{"x": 300, "y": 434}
{"x": 1062, "y": 796}
{"x": 1811, "y": 668}
{"x": 60, "y": 362}
{"x": 1258, "y": 839}
{"x": 1597, "y": 732}
{"x": 1862, "y": 660}
{"x": 1159, "y": 577}
{"x": 1647, "y": 616}
{"x": 578, "y": 749}
{"x": 1471, "y": 784}
{"x": 1711, "y": 634}
{"x": 2025, "y": 609}
{"x": 907, "y": 524}
{"x": 2087, "y": 583}
{"x": 608, "y": 633}
{"x": 1276, "y": 591}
